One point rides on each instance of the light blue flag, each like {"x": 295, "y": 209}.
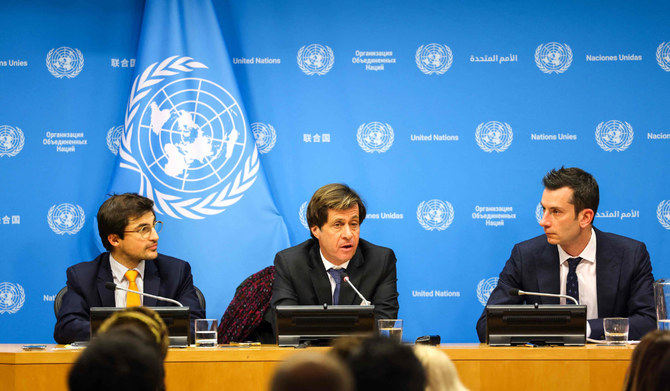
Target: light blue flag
{"x": 188, "y": 146}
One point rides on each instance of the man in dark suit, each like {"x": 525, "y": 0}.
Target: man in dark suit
{"x": 129, "y": 230}
{"x": 610, "y": 274}
{"x": 311, "y": 273}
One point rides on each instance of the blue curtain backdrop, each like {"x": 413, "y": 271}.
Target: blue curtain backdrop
{"x": 443, "y": 115}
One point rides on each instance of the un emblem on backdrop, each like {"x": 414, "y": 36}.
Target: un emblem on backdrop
{"x": 375, "y": 137}
{"x": 434, "y": 58}
{"x": 494, "y": 136}
{"x": 539, "y": 211}
{"x": 12, "y": 297}
{"x": 484, "y": 289}
{"x": 114, "y": 138}
{"x": 663, "y": 213}
{"x": 435, "y": 215}
{"x": 65, "y": 62}
{"x": 11, "y": 140}
{"x": 614, "y": 135}
{"x": 190, "y": 141}
{"x": 316, "y": 59}
{"x": 303, "y": 214}
{"x": 265, "y": 136}
{"x": 663, "y": 56}
{"x": 66, "y": 218}
{"x": 553, "y": 57}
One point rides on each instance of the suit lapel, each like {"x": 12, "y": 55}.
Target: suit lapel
{"x": 548, "y": 273}
{"x": 152, "y": 282}
{"x": 354, "y": 270}
{"x": 105, "y": 275}
{"x": 317, "y": 274}
{"x": 608, "y": 269}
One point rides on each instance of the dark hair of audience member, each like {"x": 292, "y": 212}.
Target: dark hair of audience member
{"x": 309, "y": 371}
{"x": 144, "y": 320}
{"x": 118, "y": 360}
{"x": 650, "y": 365}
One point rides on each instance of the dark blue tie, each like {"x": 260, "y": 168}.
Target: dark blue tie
{"x": 571, "y": 283}
{"x": 337, "y": 276}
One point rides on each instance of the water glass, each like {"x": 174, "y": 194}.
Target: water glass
{"x": 391, "y": 328}
{"x": 616, "y": 330}
{"x": 205, "y": 333}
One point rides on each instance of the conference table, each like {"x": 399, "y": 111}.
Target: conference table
{"x": 242, "y": 368}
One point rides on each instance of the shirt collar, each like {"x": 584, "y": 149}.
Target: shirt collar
{"x": 327, "y": 265}
{"x": 119, "y": 271}
{"x": 588, "y": 254}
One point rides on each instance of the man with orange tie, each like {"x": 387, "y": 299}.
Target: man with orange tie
{"x": 129, "y": 231}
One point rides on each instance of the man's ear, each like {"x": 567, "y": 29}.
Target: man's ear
{"x": 586, "y": 218}
{"x": 113, "y": 239}
{"x": 315, "y": 231}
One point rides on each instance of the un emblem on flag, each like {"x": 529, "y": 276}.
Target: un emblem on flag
{"x": 663, "y": 213}
{"x": 484, "y": 289}
{"x": 614, "y": 135}
{"x": 66, "y": 218}
{"x": 65, "y": 62}
{"x": 539, "y": 212}
{"x": 553, "y": 57}
{"x": 114, "y": 138}
{"x": 12, "y": 297}
{"x": 434, "y": 58}
{"x": 188, "y": 139}
{"x": 663, "y": 56}
{"x": 435, "y": 215}
{"x": 303, "y": 214}
{"x": 494, "y": 136}
{"x": 265, "y": 136}
{"x": 11, "y": 140}
{"x": 375, "y": 137}
{"x": 316, "y": 59}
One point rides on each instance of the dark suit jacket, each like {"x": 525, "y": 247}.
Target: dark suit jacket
{"x": 164, "y": 276}
{"x": 301, "y": 279}
{"x": 624, "y": 282}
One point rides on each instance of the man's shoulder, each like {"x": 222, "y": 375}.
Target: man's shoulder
{"x": 300, "y": 249}
{"x": 613, "y": 240}
{"x": 90, "y": 265}
{"x": 372, "y": 249}
{"x": 534, "y": 244}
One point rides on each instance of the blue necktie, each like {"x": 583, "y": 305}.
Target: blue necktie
{"x": 571, "y": 283}
{"x": 337, "y": 276}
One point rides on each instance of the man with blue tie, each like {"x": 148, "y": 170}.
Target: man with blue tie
{"x": 311, "y": 273}
{"x": 608, "y": 273}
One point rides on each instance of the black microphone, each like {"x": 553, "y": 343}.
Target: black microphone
{"x": 519, "y": 292}
{"x": 112, "y": 286}
{"x": 346, "y": 278}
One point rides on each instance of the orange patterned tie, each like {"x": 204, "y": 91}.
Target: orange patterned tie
{"x": 132, "y": 299}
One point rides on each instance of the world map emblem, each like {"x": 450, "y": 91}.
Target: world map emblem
{"x": 187, "y": 138}
{"x": 303, "y": 214}
{"x": 66, "y": 218}
{"x": 614, "y": 135}
{"x": 435, "y": 215}
{"x": 12, "y": 297}
{"x": 494, "y": 136}
{"x": 663, "y": 213}
{"x": 484, "y": 289}
{"x": 553, "y": 57}
{"x": 316, "y": 59}
{"x": 265, "y": 136}
{"x": 539, "y": 212}
{"x": 114, "y": 139}
{"x": 375, "y": 137}
{"x": 434, "y": 58}
{"x": 11, "y": 140}
{"x": 663, "y": 56}
{"x": 65, "y": 62}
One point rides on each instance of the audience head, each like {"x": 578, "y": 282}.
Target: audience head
{"x": 118, "y": 360}
{"x": 441, "y": 373}
{"x": 143, "y": 321}
{"x": 650, "y": 365}
{"x": 309, "y": 371}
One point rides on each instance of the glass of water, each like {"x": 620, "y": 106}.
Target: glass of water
{"x": 616, "y": 330}
{"x": 391, "y": 328}
{"x": 205, "y": 333}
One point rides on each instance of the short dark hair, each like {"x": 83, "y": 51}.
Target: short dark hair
{"x": 382, "y": 364}
{"x": 308, "y": 371}
{"x": 335, "y": 196}
{"x": 648, "y": 368}
{"x": 584, "y": 186}
{"x": 118, "y": 360}
{"x": 116, "y": 211}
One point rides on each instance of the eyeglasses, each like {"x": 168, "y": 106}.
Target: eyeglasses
{"x": 145, "y": 230}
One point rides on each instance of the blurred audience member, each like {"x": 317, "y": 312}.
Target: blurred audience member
{"x": 441, "y": 373}
{"x": 649, "y": 369}
{"x": 312, "y": 371}
{"x": 143, "y": 320}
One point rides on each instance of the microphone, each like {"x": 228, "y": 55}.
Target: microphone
{"x": 364, "y": 301}
{"x": 519, "y": 292}
{"x": 112, "y": 286}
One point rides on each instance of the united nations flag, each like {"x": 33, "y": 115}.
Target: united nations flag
{"x": 188, "y": 145}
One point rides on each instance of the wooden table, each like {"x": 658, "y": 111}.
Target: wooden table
{"x": 249, "y": 368}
